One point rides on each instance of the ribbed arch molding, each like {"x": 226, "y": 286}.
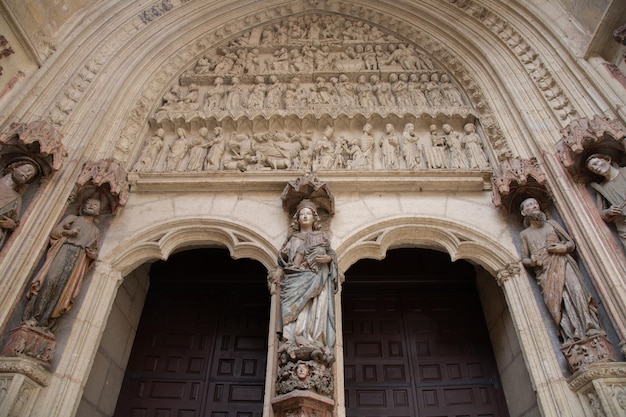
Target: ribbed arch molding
{"x": 161, "y": 240}
{"x": 459, "y": 241}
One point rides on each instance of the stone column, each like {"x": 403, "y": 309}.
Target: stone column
{"x": 553, "y": 394}
{"x": 63, "y": 394}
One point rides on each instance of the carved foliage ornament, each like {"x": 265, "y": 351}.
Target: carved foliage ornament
{"x": 106, "y": 181}
{"x": 519, "y": 179}
{"x": 38, "y": 141}
{"x": 584, "y": 136}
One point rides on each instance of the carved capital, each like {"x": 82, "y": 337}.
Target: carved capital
{"x": 35, "y": 343}
{"x": 588, "y": 351}
{"x": 510, "y": 271}
{"x": 105, "y": 180}
{"x": 519, "y": 179}
{"x": 27, "y": 367}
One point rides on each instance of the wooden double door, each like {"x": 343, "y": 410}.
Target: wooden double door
{"x": 415, "y": 339}
{"x": 201, "y": 345}
{"x": 415, "y": 343}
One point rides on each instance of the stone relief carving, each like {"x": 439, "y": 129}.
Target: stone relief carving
{"x": 297, "y": 86}
{"x": 305, "y": 375}
{"x": 254, "y": 149}
{"x": 547, "y": 249}
{"x": 519, "y": 178}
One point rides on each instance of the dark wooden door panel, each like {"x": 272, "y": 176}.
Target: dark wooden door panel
{"x": 417, "y": 353}
{"x": 199, "y": 351}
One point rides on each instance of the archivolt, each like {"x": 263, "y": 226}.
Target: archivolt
{"x": 161, "y": 240}
{"x": 461, "y": 242}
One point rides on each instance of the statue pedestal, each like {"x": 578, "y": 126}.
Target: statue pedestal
{"x": 20, "y": 381}
{"x": 591, "y": 350}
{"x": 31, "y": 342}
{"x": 300, "y": 403}
{"x": 602, "y": 388}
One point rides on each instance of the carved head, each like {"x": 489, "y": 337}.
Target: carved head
{"x": 599, "y": 163}
{"x": 24, "y": 172}
{"x": 91, "y": 207}
{"x": 306, "y": 212}
{"x": 531, "y": 210}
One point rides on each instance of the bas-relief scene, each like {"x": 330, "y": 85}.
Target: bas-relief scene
{"x": 311, "y": 93}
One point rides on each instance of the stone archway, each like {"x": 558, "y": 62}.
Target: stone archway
{"x": 505, "y": 294}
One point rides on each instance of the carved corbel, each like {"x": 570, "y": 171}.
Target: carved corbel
{"x": 584, "y": 136}
{"x": 518, "y": 179}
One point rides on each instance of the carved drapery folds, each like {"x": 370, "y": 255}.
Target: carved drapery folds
{"x": 519, "y": 179}
{"x": 593, "y": 151}
{"x": 100, "y": 189}
{"x": 307, "y": 282}
{"x": 266, "y": 100}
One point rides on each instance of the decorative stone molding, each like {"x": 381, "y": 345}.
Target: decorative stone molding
{"x": 20, "y": 381}
{"x": 35, "y": 343}
{"x": 532, "y": 62}
{"x": 585, "y": 136}
{"x": 602, "y": 388}
{"x": 519, "y": 179}
{"x": 511, "y": 271}
{"x": 106, "y": 181}
{"x": 26, "y": 367}
{"x": 590, "y": 350}
{"x": 38, "y": 141}
{"x": 304, "y": 404}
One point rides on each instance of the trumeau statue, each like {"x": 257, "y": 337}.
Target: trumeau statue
{"x": 307, "y": 289}
{"x": 314, "y": 69}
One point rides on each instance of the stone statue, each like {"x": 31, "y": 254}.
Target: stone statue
{"x": 325, "y": 150}
{"x": 473, "y": 147}
{"x": 213, "y": 160}
{"x": 198, "y": 150}
{"x": 177, "y": 151}
{"x": 453, "y": 142}
{"x": 612, "y": 191}
{"x": 73, "y": 248}
{"x": 410, "y": 150}
{"x": 214, "y": 97}
{"x": 306, "y": 294}
{"x": 150, "y": 152}
{"x": 547, "y": 248}
{"x": 389, "y": 145}
{"x": 364, "y": 157}
{"x": 12, "y": 184}
{"x": 437, "y": 156}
